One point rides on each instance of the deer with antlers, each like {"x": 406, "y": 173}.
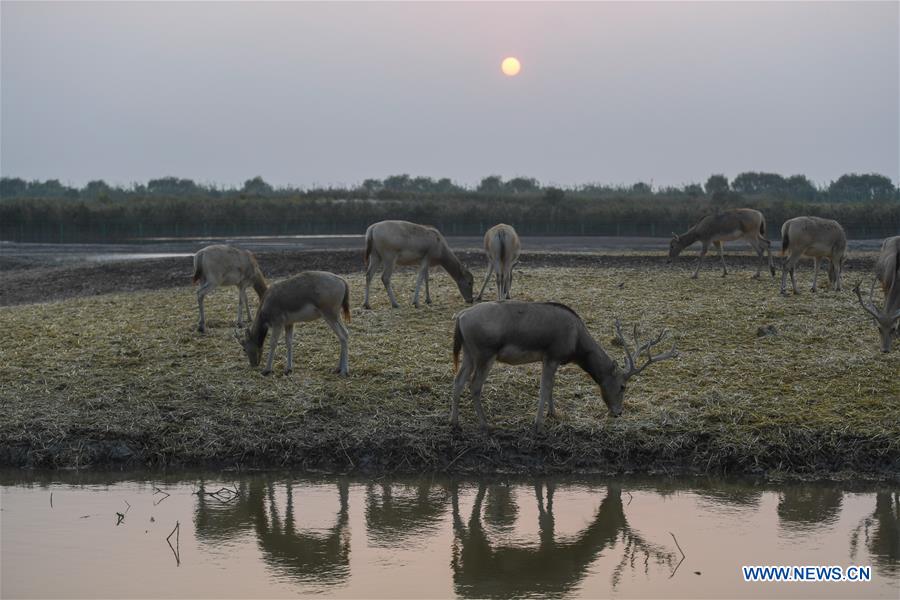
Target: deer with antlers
{"x": 887, "y": 272}
{"x": 517, "y": 333}
{"x": 738, "y": 224}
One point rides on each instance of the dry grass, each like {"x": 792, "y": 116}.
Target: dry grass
{"x": 126, "y": 379}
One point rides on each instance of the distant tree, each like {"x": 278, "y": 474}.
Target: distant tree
{"x": 798, "y": 187}
{"x": 751, "y": 183}
{"x": 522, "y": 185}
{"x": 445, "y": 186}
{"x": 641, "y": 188}
{"x": 51, "y": 188}
{"x": 372, "y": 186}
{"x": 96, "y": 189}
{"x": 492, "y": 184}
{"x": 397, "y": 183}
{"x": 861, "y": 188}
{"x": 716, "y": 184}
{"x": 422, "y": 184}
{"x": 173, "y": 186}
{"x": 256, "y": 186}
{"x": 693, "y": 190}
{"x": 554, "y": 195}
{"x": 12, "y": 186}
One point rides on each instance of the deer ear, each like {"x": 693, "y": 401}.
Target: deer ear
{"x": 675, "y": 236}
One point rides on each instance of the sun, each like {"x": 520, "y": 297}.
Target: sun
{"x": 510, "y": 66}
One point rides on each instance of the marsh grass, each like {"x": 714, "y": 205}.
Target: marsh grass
{"x": 126, "y": 379}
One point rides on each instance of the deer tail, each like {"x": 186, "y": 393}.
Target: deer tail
{"x": 457, "y": 344}
{"x": 345, "y": 303}
{"x": 785, "y": 239}
{"x": 198, "y": 268}
{"x": 368, "y": 247}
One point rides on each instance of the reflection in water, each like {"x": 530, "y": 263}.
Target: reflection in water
{"x": 397, "y": 513}
{"x": 296, "y": 553}
{"x": 803, "y": 507}
{"x": 283, "y": 536}
{"x": 483, "y": 569}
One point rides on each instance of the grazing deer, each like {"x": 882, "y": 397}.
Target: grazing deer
{"x": 887, "y": 272}
{"x": 525, "y": 332}
{"x": 738, "y": 224}
{"x": 305, "y": 297}
{"x": 225, "y": 265}
{"x": 815, "y": 237}
{"x": 501, "y": 244}
{"x": 391, "y": 243}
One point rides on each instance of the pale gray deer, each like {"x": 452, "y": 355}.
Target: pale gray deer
{"x": 729, "y": 225}
{"x": 887, "y": 272}
{"x": 391, "y": 243}
{"x": 502, "y": 246}
{"x": 226, "y": 265}
{"x": 817, "y": 238}
{"x": 308, "y": 296}
{"x": 526, "y": 332}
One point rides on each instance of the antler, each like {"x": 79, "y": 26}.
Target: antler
{"x": 870, "y": 306}
{"x": 631, "y": 358}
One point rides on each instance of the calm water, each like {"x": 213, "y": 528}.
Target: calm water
{"x": 278, "y": 536}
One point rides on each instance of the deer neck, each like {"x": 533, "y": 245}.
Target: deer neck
{"x": 593, "y": 359}
{"x": 450, "y": 263}
{"x": 260, "y": 285}
{"x": 690, "y": 236}
{"x": 258, "y": 329}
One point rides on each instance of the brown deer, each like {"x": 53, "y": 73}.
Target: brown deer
{"x": 391, "y": 243}
{"x": 738, "y": 224}
{"x": 502, "y": 246}
{"x": 226, "y": 265}
{"x": 815, "y": 237}
{"x": 887, "y": 272}
{"x": 308, "y": 296}
{"x": 517, "y": 333}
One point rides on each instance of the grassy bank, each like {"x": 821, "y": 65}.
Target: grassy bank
{"x": 124, "y": 379}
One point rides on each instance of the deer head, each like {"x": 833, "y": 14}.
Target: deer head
{"x": 884, "y": 318}
{"x": 253, "y": 351}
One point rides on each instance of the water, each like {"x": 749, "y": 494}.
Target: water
{"x": 282, "y": 536}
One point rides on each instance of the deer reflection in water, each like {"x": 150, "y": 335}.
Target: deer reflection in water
{"x": 484, "y": 569}
{"x": 881, "y": 532}
{"x": 397, "y": 513}
{"x": 298, "y": 553}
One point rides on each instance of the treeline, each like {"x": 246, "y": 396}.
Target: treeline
{"x": 772, "y": 186}
{"x": 867, "y": 205}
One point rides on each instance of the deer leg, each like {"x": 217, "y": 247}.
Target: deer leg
{"x": 427, "y": 291}
{"x": 334, "y": 321}
{"x": 276, "y": 331}
{"x": 202, "y": 291}
{"x": 548, "y": 374}
{"x": 509, "y": 284}
{"x": 247, "y": 306}
{"x": 481, "y": 373}
{"x": 374, "y": 263}
{"x": 815, "y": 274}
{"x": 459, "y": 382}
{"x": 785, "y": 265}
{"x": 420, "y": 279}
{"x": 719, "y": 245}
{"x": 793, "y": 265}
{"x": 486, "y": 279}
{"x": 386, "y": 280}
{"x": 242, "y": 298}
{"x": 700, "y": 262}
{"x": 289, "y": 342}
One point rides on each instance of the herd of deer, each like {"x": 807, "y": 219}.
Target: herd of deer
{"x": 515, "y": 332}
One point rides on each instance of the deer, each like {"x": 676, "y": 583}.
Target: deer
{"x": 391, "y": 243}
{"x": 817, "y": 238}
{"x": 726, "y": 226}
{"x": 226, "y": 265}
{"x": 517, "y": 333}
{"x": 887, "y": 272}
{"x": 305, "y": 297}
{"x": 501, "y": 244}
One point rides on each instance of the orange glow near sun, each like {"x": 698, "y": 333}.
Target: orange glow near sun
{"x": 510, "y": 66}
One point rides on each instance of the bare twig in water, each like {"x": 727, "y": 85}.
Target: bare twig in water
{"x": 121, "y": 517}
{"x": 223, "y": 494}
{"x": 129, "y": 506}
{"x": 176, "y": 549}
{"x": 630, "y": 497}
{"x": 156, "y": 491}
{"x": 51, "y": 499}
{"x": 682, "y": 555}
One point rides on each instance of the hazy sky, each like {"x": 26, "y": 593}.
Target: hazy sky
{"x": 308, "y": 93}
